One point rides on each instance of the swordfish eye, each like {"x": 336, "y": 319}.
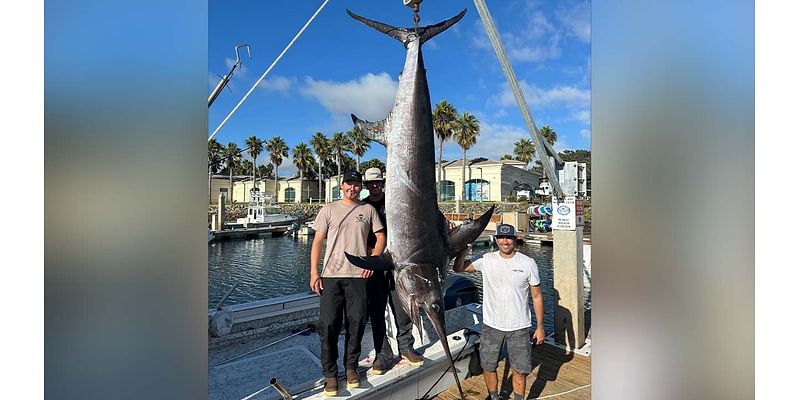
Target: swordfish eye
{"x": 435, "y": 308}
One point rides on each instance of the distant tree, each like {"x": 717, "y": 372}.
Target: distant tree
{"x": 359, "y": 143}
{"x": 339, "y": 145}
{"x": 523, "y": 150}
{"x": 214, "y": 162}
{"x": 373, "y": 163}
{"x": 254, "y": 147}
{"x": 507, "y": 157}
{"x": 233, "y": 156}
{"x": 444, "y": 118}
{"x": 466, "y": 134}
{"x": 277, "y": 149}
{"x": 322, "y": 148}
{"x": 549, "y": 134}
{"x": 303, "y": 160}
{"x": 264, "y": 172}
{"x": 245, "y": 167}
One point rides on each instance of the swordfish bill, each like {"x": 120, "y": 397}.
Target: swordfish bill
{"x": 419, "y": 246}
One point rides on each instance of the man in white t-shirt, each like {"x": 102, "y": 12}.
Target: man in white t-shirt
{"x": 508, "y": 277}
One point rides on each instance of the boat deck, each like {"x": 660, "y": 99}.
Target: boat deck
{"x": 555, "y": 371}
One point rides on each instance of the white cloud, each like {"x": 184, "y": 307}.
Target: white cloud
{"x": 493, "y": 141}
{"x": 575, "y": 18}
{"x": 538, "y": 97}
{"x": 277, "y": 84}
{"x": 369, "y": 97}
{"x": 586, "y": 133}
{"x": 583, "y": 116}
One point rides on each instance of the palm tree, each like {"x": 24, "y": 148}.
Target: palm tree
{"x": 549, "y": 134}
{"x": 322, "y": 147}
{"x": 444, "y": 117}
{"x": 302, "y": 159}
{"x": 359, "y": 144}
{"x": 244, "y": 167}
{"x": 214, "y": 160}
{"x": 254, "y": 147}
{"x": 466, "y": 134}
{"x": 339, "y": 144}
{"x": 233, "y": 156}
{"x": 524, "y": 150}
{"x": 277, "y": 149}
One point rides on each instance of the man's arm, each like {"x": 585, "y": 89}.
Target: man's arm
{"x": 461, "y": 265}
{"x": 538, "y": 309}
{"x": 316, "y": 250}
{"x": 380, "y": 243}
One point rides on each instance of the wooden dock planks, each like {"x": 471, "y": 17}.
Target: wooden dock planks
{"x": 554, "y": 371}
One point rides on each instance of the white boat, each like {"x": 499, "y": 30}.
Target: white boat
{"x": 273, "y": 346}
{"x": 262, "y": 212}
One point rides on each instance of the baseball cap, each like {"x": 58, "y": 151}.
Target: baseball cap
{"x": 373, "y": 174}
{"x": 351, "y": 176}
{"x": 505, "y": 230}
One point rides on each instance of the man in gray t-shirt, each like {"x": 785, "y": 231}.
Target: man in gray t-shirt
{"x": 508, "y": 277}
{"x": 344, "y": 226}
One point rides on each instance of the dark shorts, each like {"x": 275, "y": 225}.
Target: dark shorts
{"x": 517, "y": 344}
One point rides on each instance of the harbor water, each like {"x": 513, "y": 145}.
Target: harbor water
{"x": 277, "y": 266}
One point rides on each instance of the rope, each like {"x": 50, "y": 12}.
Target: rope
{"x": 559, "y": 394}
{"x": 264, "y": 346}
{"x": 268, "y": 70}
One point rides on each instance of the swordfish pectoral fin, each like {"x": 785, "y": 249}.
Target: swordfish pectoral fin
{"x": 467, "y": 232}
{"x": 375, "y": 263}
{"x": 376, "y": 131}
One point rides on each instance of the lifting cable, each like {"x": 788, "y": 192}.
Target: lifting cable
{"x": 267, "y": 71}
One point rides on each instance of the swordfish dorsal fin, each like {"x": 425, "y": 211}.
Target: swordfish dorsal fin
{"x": 375, "y": 131}
{"x": 407, "y": 35}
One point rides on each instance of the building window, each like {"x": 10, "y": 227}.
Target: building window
{"x": 476, "y": 190}
{"x": 447, "y": 190}
{"x": 288, "y": 195}
{"x": 336, "y": 193}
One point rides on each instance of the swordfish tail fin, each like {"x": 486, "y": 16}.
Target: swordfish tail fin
{"x": 407, "y": 35}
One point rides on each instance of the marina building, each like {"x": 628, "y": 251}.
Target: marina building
{"x": 484, "y": 180}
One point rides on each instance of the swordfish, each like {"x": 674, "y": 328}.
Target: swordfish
{"x": 419, "y": 245}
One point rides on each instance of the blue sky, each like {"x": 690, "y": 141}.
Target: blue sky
{"x": 338, "y": 67}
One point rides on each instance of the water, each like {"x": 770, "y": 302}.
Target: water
{"x": 277, "y": 266}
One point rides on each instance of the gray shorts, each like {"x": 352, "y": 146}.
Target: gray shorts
{"x": 517, "y": 343}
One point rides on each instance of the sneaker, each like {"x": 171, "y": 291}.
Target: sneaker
{"x": 331, "y": 387}
{"x": 353, "y": 380}
{"x": 413, "y": 358}
{"x": 379, "y": 367}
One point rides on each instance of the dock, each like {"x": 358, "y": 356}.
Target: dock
{"x": 555, "y": 372}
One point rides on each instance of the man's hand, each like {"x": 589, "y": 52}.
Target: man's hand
{"x": 537, "y": 336}
{"x": 366, "y": 273}
{"x": 316, "y": 284}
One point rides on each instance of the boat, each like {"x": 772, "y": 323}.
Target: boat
{"x": 261, "y": 212}
{"x": 269, "y": 349}
{"x": 210, "y": 235}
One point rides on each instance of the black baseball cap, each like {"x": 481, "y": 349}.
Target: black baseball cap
{"x": 351, "y": 176}
{"x": 505, "y": 230}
